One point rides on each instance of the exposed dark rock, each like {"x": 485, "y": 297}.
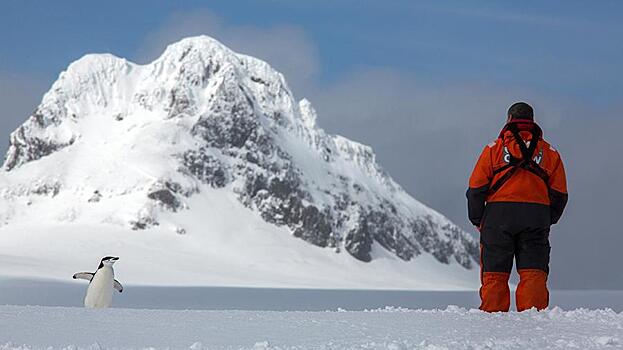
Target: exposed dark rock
{"x": 25, "y": 148}
{"x": 471, "y": 250}
{"x": 315, "y": 226}
{"x": 390, "y": 236}
{"x": 185, "y": 53}
{"x": 166, "y": 198}
{"x": 96, "y": 197}
{"x": 219, "y": 131}
{"x": 379, "y": 226}
{"x": 174, "y": 187}
{"x": 205, "y": 167}
{"x": 283, "y": 188}
{"x": 39, "y": 119}
{"x": 210, "y": 69}
{"x": 47, "y": 189}
{"x": 253, "y": 184}
{"x": 229, "y": 123}
{"x": 358, "y": 242}
{"x": 179, "y": 104}
{"x": 143, "y": 223}
{"x": 358, "y": 188}
{"x": 444, "y": 242}
{"x": 259, "y": 80}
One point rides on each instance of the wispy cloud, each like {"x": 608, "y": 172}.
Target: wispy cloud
{"x": 286, "y": 47}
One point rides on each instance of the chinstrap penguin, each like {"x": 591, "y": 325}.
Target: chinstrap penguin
{"x": 101, "y": 284}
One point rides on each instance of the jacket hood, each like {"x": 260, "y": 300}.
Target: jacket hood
{"x": 525, "y": 131}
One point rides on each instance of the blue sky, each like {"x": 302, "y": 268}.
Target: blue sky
{"x": 425, "y": 83}
{"x": 561, "y": 47}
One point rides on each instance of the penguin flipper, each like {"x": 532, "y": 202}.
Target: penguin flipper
{"x": 84, "y": 276}
{"x": 117, "y": 285}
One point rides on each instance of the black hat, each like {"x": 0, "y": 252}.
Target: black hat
{"x": 521, "y": 110}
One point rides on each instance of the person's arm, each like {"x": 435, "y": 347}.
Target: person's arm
{"x": 557, "y": 192}
{"x": 479, "y": 183}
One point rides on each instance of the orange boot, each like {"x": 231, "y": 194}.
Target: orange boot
{"x": 494, "y": 292}
{"x": 532, "y": 290}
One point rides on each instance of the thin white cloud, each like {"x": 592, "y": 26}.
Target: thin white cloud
{"x": 285, "y": 47}
{"x": 385, "y": 95}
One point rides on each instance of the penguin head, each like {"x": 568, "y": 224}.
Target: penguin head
{"x": 108, "y": 261}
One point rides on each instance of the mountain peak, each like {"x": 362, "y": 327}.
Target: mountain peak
{"x": 202, "y": 44}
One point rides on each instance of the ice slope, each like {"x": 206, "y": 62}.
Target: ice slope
{"x": 453, "y": 328}
{"x": 202, "y": 168}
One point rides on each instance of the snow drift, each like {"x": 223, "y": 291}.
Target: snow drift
{"x": 24, "y": 328}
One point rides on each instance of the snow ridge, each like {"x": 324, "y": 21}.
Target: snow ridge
{"x": 116, "y": 143}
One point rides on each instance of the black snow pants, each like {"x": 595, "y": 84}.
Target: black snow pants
{"x": 515, "y": 231}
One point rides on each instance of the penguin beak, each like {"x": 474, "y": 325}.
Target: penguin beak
{"x": 114, "y": 259}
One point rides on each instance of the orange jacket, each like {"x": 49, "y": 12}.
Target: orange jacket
{"x": 523, "y": 186}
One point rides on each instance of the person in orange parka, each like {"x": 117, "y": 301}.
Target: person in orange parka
{"x": 516, "y": 192}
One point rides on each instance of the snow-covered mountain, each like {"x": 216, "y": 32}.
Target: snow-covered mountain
{"x": 205, "y": 152}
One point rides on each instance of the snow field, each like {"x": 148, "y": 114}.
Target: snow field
{"x": 390, "y": 328}
{"x": 237, "y": 248}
